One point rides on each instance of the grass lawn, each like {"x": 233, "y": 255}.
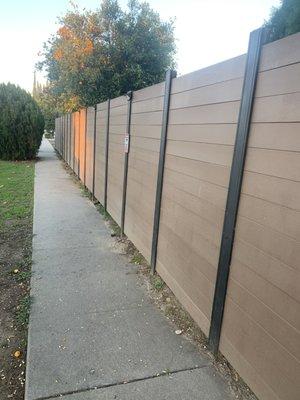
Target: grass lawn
{"x": 16, "y": 209}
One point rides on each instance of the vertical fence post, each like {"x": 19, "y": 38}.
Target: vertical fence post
{"x": 73, "y": 130}
{"x": 161, "y": 163}
{"x": 78, "y": 163}
{"x": 106, "y": 155}
{"x": 234, "y": 189}
{"x": 63, "y": 136}
{"x": 70, "y": 138}
{"x": 85, "y": 136}
{"x": 94, "y": 151}
{"x": 127, "y": 146}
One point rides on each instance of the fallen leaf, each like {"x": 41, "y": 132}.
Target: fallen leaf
{"x": 17, "y": 354}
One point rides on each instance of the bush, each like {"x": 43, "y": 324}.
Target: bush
{"x": 21, "y": 124}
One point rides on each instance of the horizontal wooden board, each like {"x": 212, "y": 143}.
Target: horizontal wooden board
{"x": 205, "y": 152}
{"x": 149, "y": 92}
{"x": 275, "y": 136}
{"x": 149, "y": 118}
{"x": 216, "y": 93}
{"x": 281, "y": 108}
{"x": 209, "y": 133}
{"x": 276, "y": 300}
{"x": 151, "y": 131}
{"x": 281, "y": 52}
{"x": 207, "y": 114}
{"x": 283, "y": 164}
{"x": 214, "y": 194}
{"x": 278, "y": 81}
{"x": 202, "y": 235}
{"x": 147, "y": 144}
{"x": 149, "y": 105}
{"x": 276, "y": 190}
{"x": 102, "y": 106}
{"x": 118, "y": 101}
{"x": 275, "y": 216}
{"x": 195, "y": 204}
{"x": 279, "y": 369}
{"x": 120, "y": 110}
{"x": 269, "y": 268}
{"x": 265, "y": 317}
{"x": 197, "y": 314}
{"x": 207, "y": 172}
{"x": 276, "y": 244}
{"x": 223, "y": 71}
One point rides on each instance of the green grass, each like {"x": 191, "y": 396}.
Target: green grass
{"x": 24, "y": 310}
{"x": 137, "y": 258}
{"x": 16, "y": 191}
{"x": 157, "y": 282}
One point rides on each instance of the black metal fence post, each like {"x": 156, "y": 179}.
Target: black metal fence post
{"x": 127, "y": 146}
{"x": 85, "y": 136}
{"x": 63, "y": 139}
{"x": 106, "y": 155}
{"x": 70, "y": 138}
{"x": 234, "y": 189}
{"x": 94, "y": 151}
{"x": 78, "y": 166}
{"x": 73, "y": 130}
{"x": 161, "y": 163}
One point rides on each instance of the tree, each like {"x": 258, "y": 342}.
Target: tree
{"x": 104, "y": 53}
{"x": 284, "y": 20}
{"x": 21, "y": 124}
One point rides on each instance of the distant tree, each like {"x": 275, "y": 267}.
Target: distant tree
{"x": 21, "y": 124}
{"x": 284, "y": 20}
{"x": 104, "y": 53}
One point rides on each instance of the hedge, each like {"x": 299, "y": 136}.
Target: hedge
{"x": 21, "y": 124}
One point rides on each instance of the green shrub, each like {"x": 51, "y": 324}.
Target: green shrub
{"x": 21, "y": 124}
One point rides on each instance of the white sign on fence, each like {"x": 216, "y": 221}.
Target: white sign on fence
{"x": 126, "y": 142}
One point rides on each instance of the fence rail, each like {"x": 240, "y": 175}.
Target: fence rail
{"x": 202, "y": 173}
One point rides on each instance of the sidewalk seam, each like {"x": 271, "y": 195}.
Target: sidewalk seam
{"x": 120, "y": 383}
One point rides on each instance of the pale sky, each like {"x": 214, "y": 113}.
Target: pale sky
{"x": 207, "y": 31}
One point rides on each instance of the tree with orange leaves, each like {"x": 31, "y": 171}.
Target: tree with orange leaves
{"x": 104, "y": 53}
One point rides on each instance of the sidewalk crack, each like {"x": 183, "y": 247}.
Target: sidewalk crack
{"x": 120, "y": 383}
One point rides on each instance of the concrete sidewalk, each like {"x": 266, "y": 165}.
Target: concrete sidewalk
{"x": 92, "y": 327}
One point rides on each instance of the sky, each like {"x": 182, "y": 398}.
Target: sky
{"x": 207, "y": 31}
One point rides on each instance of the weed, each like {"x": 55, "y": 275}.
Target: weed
{"x": 157, "y": 282}
{"x": 23, "y": 276}
{"x": 137, "y": 258}
{"x": 22, "y": 315}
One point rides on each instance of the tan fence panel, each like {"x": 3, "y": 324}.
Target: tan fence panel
{"x": 261, "y": 329}
{"x": 101, "y": 119}
{"x": 117, "y": 129}
{"x": 147, "y": 105}
{"x": 203, "y": 115}
{"x": 89, "y": 148}
{"x": 76, "y": 117}
{"x": 82, "y": 133}
{"x": 260, "y": 334}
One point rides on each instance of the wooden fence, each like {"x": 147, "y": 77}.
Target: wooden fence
{"x": 217, "y": 208}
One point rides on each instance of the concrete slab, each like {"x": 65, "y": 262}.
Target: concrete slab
{"x": 200, "y": 384}
{"x": 91, "y": 324}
